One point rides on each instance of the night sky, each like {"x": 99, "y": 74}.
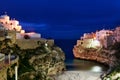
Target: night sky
{"x": 66, "y": 19}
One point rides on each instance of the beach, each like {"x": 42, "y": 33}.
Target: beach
{"x": 79, "y": 75}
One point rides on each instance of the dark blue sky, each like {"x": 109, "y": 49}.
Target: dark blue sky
{"x": 63, "y": 17}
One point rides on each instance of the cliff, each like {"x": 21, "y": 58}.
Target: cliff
{"x": 109, "y": 56}
{"x": 39, "y": 58}
{"x": 99, "y": 55}
{"x": 40, "y": 63}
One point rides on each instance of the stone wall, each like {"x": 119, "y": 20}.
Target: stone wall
{"x": 2, "y": 38}
{"x": 12, "y": 35}
{"x": 5, "y": 67}
{"x": 2, "y": 35}
{"x": 33, "y": 43}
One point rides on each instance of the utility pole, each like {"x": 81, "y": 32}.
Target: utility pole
{"x": 16, "y": 72}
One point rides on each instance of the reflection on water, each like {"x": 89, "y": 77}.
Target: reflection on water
{"x": 96, "y": 69}
{"x": 77, "y": 64}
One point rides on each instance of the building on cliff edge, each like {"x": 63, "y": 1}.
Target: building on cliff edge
{"x": 102, "y": 38}
{"x": 7, "y": 24}
{"x": 10, "y": 28}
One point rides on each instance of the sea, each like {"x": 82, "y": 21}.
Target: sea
{"x": 66, "y": 39}
{"x": 78, "y": 64}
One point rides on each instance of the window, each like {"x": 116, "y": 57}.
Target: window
{"x": 6, "y": 23}
{"x": 97, "y": 36}
{"x": 81, "y": 43}
{"x": 106, "y": 32}
{"x": 11, "y": 24}
{"x": 26, "y": 37}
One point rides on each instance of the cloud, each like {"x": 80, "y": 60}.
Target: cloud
{"x": 64, "y": 31}
{"x": 34, "y": 26}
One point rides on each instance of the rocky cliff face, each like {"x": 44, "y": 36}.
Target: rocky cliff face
{"x": 99, "y": 55}
{"x": 43, "y": 63}
{"x": 109, "y": 56}
{"x": 40, "y": 63}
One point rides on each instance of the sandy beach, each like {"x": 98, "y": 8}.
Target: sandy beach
{"x": 79, "y": 75}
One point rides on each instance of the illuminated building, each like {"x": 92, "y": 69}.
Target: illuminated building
{"x": 13, "y": 25}
{"x": 105, "y": 37}
{"x": 89, "y": 41}
{"x": 102, "y": 38}
{"x": 117, "y": 34}
{"x": 100, "y": 35}
{"x": 10, "y": 24}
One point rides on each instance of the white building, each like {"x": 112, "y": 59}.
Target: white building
{"x": 10, "y": 24}
{"x": 117, "y": 34}
{"x": 31, "y": 35}
{"x": 100, "y": 35}
{"x": 102, "y": 38}
{"x": 108, "y": 41}
{"x": 105, "y": 37}
{"x": 15, "y": 26}
{"x": 88, "y": 36}
{"x": 89, "y": 43}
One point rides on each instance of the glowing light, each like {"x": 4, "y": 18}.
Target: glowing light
{"x": 94, "y": 37}
{"x": 46, "y": 44}
{"x": 95, "y": 43}
{"x": 96, "y": 69}
{"x": 22, "y": 31}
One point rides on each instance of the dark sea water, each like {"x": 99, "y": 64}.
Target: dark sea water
{"x": 67, "y": 46}
{"x": 78, "y": 64}
{"x": 66, "y": 39}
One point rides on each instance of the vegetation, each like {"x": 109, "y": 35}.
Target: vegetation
{"x": 109, "y": 56}
{"x": 115, "y": 72}
{"x": 34, "y": 64}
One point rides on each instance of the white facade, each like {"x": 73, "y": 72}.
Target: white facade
{"x": 108, "y": 41}
{"x": 89, "y": 43}
{"x": 10, "y": 24}
{"x": 31, "y": 35}
{"x": 88, "y": 35}
{"x": 117, "y": 34}
{"x": 105, "y": 37}
{"x": 100, "y": 35}
{"x": 102, "y": 38}
{"x": 14, "y": 25}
